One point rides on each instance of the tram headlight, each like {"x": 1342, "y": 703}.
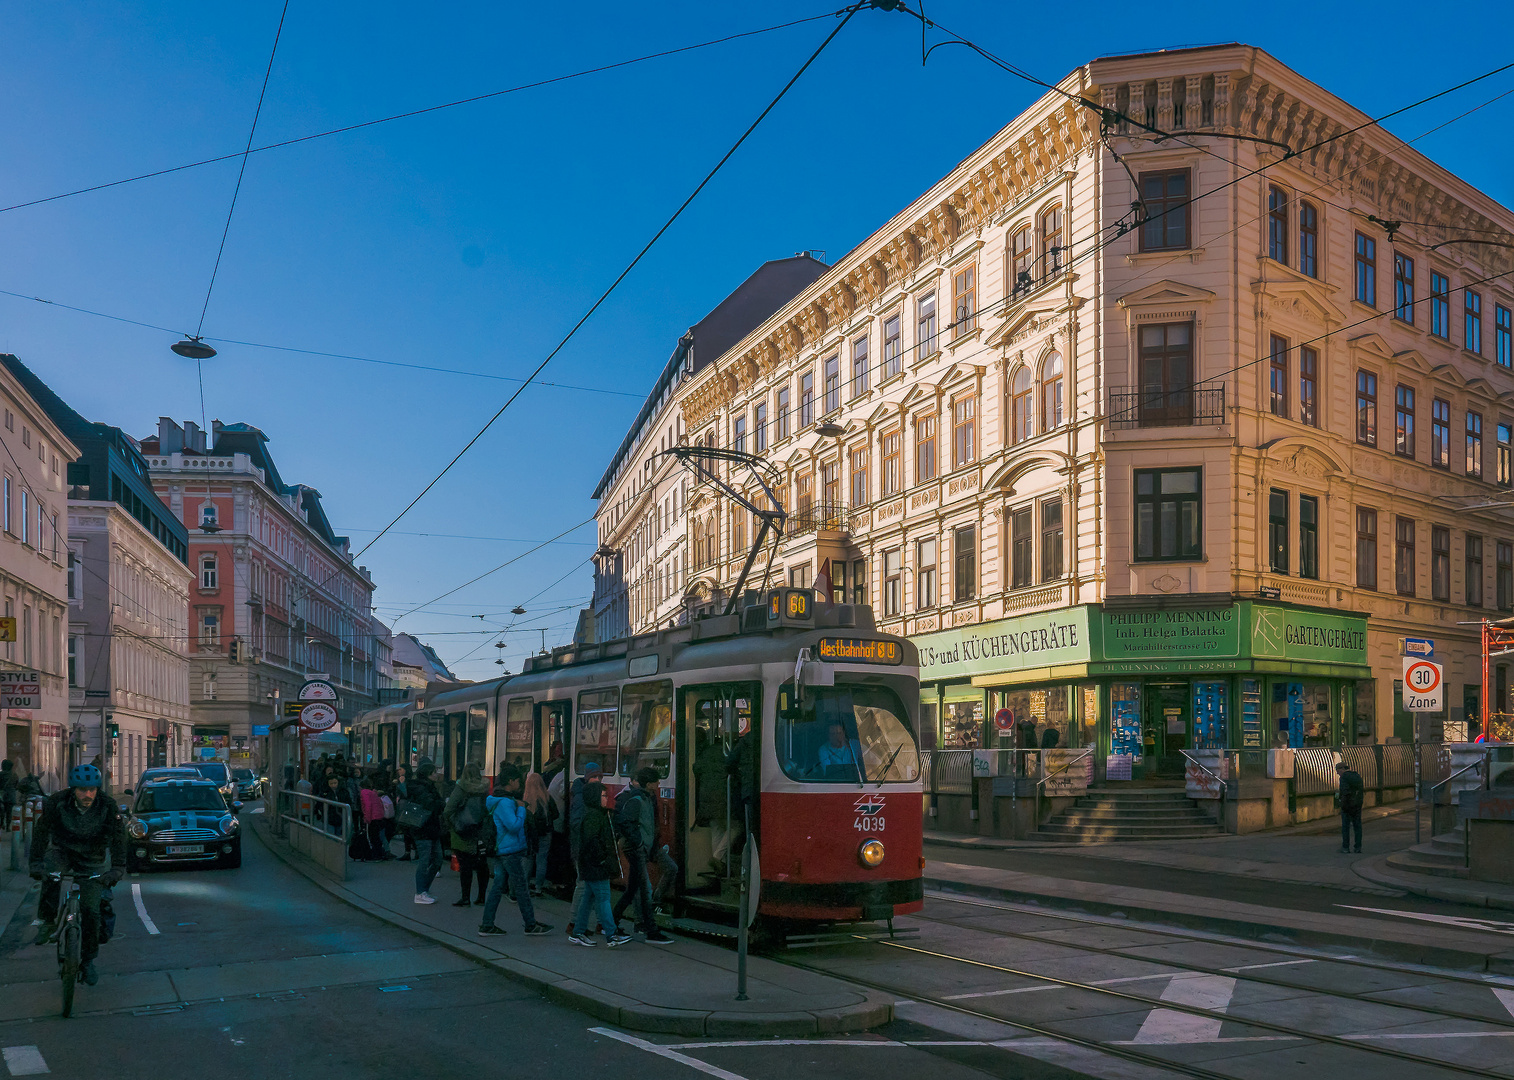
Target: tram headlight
{"x": 871, "y": 853}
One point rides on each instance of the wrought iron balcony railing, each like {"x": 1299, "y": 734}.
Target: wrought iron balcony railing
{"x": 1155, "y": 406}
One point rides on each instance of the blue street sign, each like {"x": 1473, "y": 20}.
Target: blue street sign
{"x": 259, "y": 729}
{"x": 1414, "y": 646}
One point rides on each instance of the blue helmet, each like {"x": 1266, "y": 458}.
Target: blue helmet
{"x": 83, "y": 776}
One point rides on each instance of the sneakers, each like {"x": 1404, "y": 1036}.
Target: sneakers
{"x": 89, "y": 974}
{"x": 1345, "y": 851}
{"x": 657, "y": 937}
{"x": 493, "y": 931}
{"x": 580, "y": 939}
{"x": 424, "y": 898}
{"x": 464, "y": 902}
{"x": 45, "y": 932}
{"x": 620, "y": 939}
{"x": 539, "y": 928}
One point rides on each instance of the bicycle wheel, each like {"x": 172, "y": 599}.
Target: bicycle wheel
{"x": 69, "y": 944}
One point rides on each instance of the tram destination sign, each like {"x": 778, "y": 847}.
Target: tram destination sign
{"x": 859, "y": 651}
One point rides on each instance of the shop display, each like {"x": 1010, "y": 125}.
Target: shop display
{"x": 1211, "y": 715}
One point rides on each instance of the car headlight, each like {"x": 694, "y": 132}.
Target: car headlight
{"x": 871, "y": 853}
{"x": 229, "y": 825}
{"x": 137, "y": 828}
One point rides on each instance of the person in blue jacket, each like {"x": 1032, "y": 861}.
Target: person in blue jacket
{"x": 508, "y": 854}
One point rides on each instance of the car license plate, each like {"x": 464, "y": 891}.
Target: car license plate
{"x": 184, "y": 849}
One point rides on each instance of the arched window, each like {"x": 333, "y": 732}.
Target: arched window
{"x": 210, "y": 575}
{"x": 1020, "y": 406}
{"x": 1051, "y": 392}
{"x": 1277, "y": 224}
{"x": 1308, "y": 239}
{"x": 1022, "y": 259}
{"x": 1052, "y": 248}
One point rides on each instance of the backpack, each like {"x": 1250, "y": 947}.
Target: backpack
{"x": 627, "y": 820}
{"x": 485, "y": 834}
{"x": 470, "y": 817}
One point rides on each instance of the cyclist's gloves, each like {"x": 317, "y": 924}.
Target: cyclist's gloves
{"x": 111, "y": 878}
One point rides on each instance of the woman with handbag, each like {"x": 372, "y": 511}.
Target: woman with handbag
{"x": 464, "y": 816}
{"x": 401, "y": 773}
{"x": 421, "y": 811}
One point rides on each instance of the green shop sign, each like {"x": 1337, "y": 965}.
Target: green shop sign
{"x": 1202, "y": 632}
{"x": 1030, "y": 641}
{"x": 1291, "y": 634}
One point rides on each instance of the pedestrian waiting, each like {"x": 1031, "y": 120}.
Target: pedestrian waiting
{"x": 636, "y": 821}
{"x": 1353, "y": 794}
{"x": 420, "y": 811}
{"x": 464, "y": 817}
{"x": 597, "y": 864}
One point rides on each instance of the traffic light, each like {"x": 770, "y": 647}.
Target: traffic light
{"x": 236, "y": 651}
{"x": 112, "y": 729}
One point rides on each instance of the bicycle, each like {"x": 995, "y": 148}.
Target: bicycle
{"x": 69, "y": 934}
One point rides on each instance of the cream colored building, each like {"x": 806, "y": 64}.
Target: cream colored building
{"x": 1058, "y": 415}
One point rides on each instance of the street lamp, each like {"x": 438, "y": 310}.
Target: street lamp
{"x": 193, "y": 348}
{"x": 829, "y": 429}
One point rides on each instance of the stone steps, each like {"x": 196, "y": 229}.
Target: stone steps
{"x": 1441, "y": 856}
{"x": 1103, "y": 816}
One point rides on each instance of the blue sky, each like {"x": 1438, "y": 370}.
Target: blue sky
{"x": 473, "y": 238}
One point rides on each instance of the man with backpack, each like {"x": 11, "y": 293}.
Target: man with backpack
{"x": 464, "y": 817}
{"x": 636, "y": 825}
{"x": 1353, "y": 794}
{"x": 504, "y": 837}
{"x": 421, "y": 812}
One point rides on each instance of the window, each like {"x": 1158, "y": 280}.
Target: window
{"x": 799, "y": 576}
{"x": 1277, "y": 225}
{"x": 859, "y": 476}
{"x": 8, "y": 505}
{"x": 832, "y": 368}
{"x": 1440, "y": 563}
{"x": 1166, "y": 373}
{"x": 210, "y": 629}
{"x": 1168, "y": 514}
{"x": 1277, "y": 531}
{"x": 55, "y": 537}
{"x": 806, "y": 399}
{"x": 595, "y": 737}
{"x": 1366, "y": 548}
{"x": 859, "y": 366}
{"x": 760, "y": 427}
{"x": 1504, "y": 575}
{"x": 1403, "y": 421}
{"x": 1366, "y": 270}
{"x": 1473, "y": 570}
{"x": 964, "y": 432}
{"x": 1051, "y": 538}
{"x": 783, "y": 413}
{"x": 1440, "y": 305}
{"x": 1308, "y": 536}
{"x": 892, "y": 477}
{"x": 859, "y": 582}
{"x": 1403, "y": 556}
{"x": 1471, "y": 333}
{"x": 73, "y": 584}
{"x": 830, "y": 485}
{"x": 925, "y": 320}
{"x": 925, "y": 573}
{"x": 210, "y": 577}
{"x": 73, "y": 660}
{"x": 1021, "y": 547}
{"x": 1403, "y": 288}
{"x": 1279, "y": 379}
{"x": 738, "y": 532}
{"x": 1022, "y": 258}
{"x": 964, "y": 563}
{"x": 964, "y": 301}
{"x": 1440, "y": 434}
{"x": 1308, "y": 239}
{"x": 1021, "y": 392}
{"x": 26, "y": 516}
{"x": 1165, "y": 198}
{"x": 891, "y": 586}
{"x": 1051, "y": 242}
{"x": 1503, "y": 465}
{"x": 1051, "y": 392}
{"x": 1308, "y": 386}
{"x": 738, "y": 437}
{"x": 893, "y": 347}
{"x": 1474, "y": 443}
{"x": 208, "y": 515}
{"x": 845, "y": 735}
{"x": 804, "y": 494}
{"x": 1503, "y": 336}
{"x": 925, "y": 449}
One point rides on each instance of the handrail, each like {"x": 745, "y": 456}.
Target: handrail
{"x": 1478, "y": 764}
{"x": 1088, "y": 753}
{"x": 1224, "y": 784}
{"x": 346, "y": 815}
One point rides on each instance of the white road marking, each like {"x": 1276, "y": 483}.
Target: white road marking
{"x": 1037, "y": 989}
{"x": 1210, "y": 992}
{"x": 664, "y": 1052}
{"x": 136, "y": 895}
{"x": 735, "y": 1043}
{"x": 1506, "y": 997}
{"x": 1434, "y": 1035}
{"x": 1489, "y": 926}
{"x": 24, "y": 1061}
{"x": 1280, "y": 963}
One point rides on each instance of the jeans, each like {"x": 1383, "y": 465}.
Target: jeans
{"x": 1351, "y": 819}
{"x": 579, "y": 892}
{"x": 543, "y": 850}
{"x": 596, "y": 894}
{"x": 638, "y": 888}
{"x": 429, "y": 852}
{"x": 89, "y": 912}
{"x": 513, "y": 865}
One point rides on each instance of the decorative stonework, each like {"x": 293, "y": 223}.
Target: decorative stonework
{"x": 928, "y": 497}
{"x": 1166, "y": 583}
{"x": 963, "y": 483}
{"x": 890, "y": 510}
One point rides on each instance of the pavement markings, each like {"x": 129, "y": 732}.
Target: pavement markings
{"x": 1039, "y": 989}
{"x": 136, "y": 895}
{"x": 1433, "y": 1035}
{"x": 24, "y": 1061}
{"x": 1280, "y": 963}
{"x": 1211, "y": 992}
{"x": 1489, "y": 926}
{"x": 1505, "y": 997}
{"x": 665, "y": 1052}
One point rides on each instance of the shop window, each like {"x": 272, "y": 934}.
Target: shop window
{"x": 1308, "y": 536}
{"x": 1125, "y": 739}
{"x": 1211, "y": 715}
{"x": 1472, "y": 570}
{"x": 1168, "y": 511}
{"x": 925, "y": 574}
{"x": 892, "y": 585}
{"x": 1051, "y": 539}
{"x": 964, "y": 563}
{"x": 1504, "y": 583}
{"x": 646, "y": 728}
{"x": 929, "y": 727}
{"x": 1022, "y": 547}
{"x": 1301, "y": 715}
{"x": 1277, "y": 530}
{"x": 1403, "y": 556}
{"x": 596, "y": 732}
{"x": 962, "y": 724}
{"x": 1440, "y": 563}
{"x": 1366, "y": 548}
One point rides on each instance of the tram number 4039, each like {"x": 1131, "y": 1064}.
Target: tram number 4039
{"x": 868, "y": 823}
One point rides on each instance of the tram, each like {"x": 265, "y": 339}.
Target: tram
{"x": 813, "y": 715}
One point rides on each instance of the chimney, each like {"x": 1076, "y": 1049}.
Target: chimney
{"x": 170, "y": 436}
{"x": 215, "y": 430}
{"x": 194, "y": 438}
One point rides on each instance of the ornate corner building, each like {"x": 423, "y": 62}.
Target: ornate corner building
{"x": 1166, "y": 416}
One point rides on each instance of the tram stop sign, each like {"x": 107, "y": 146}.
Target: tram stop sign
{"x": 1424, "y": 685}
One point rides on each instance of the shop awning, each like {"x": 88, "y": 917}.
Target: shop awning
{"x": 1064, "y": 673}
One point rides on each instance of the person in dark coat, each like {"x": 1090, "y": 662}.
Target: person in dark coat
{"x": 741, "y": 766}
{"x": 1353, "y": 795}
{"x": 576, "y": 811}
{"x": 10, "y": 793}
{"x": 597, "y": 864}
{"x": 471, "y": 788}
{"x": 710, "y": 807}
{"x": 428, "y": 835}
{"x": 80, "y": 832}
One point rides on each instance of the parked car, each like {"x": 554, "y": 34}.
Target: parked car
{"x": 249, "y": 784}
{"x": 219, "y": 772}
{"x": 166, "y": 772}
{"x": 182, "y": 821}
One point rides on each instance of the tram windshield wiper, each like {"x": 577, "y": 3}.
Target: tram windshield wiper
{"x": 883, "y": 775}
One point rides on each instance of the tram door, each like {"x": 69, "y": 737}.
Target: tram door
{"x": 554, "y": 719}
{"x": 710, "y": 721}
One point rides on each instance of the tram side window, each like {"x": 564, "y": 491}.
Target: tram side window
{"x": 516, "y": 747}
{"x": 646, "y": 725}
{"x": 594, "y": 733}
{"x": 478, "y": 731}
{"x": 845, "y": 734}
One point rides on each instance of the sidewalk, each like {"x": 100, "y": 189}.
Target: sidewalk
{"x": 687, "y": 988}
{"x": 1488, "y": 894}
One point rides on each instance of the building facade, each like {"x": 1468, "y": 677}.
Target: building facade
{"x": 33, "y": 573}
{"x": 275, "y": 597}
{"x": 1161, "y": 441}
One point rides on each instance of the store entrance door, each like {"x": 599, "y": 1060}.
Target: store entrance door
{"x": 1166, "y": 735}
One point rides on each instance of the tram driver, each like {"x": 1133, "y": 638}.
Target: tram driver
{"x": 839, "y": 756}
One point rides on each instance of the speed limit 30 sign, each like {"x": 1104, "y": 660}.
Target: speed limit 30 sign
{"x": 1424, "y": 686}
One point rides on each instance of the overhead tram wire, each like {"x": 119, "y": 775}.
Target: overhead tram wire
{"x": 422, "y": 111}
{"x": 841, "y": 25}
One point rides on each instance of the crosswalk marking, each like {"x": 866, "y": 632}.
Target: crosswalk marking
{"x": 1490, "y": 926}
{"x": 1055, "y": 986}
{"x": 1505, "y": 997}
{"x": 24, "y": 1061}
{"x": 1210, "y": 992}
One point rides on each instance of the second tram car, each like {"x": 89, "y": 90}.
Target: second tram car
{"x": 802, "y": 715}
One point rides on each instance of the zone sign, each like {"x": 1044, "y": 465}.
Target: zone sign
{"x": 1424, "y": 686}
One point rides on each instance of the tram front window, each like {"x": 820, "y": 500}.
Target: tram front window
{"x": 846, "y": 734}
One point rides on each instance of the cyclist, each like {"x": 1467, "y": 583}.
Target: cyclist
{"x": 78, "y": 830}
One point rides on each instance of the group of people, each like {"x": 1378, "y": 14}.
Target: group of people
{"x": 15, "y": 789}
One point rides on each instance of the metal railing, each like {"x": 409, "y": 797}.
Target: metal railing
{"x": 1314, "y": 771}
{"x": 323, "y": 815}
{"x": 817, "y": 516}
{"x": 1188, "y": 755}
{"x": 1143, "y": 407}
{"x": 1364, "y": 760}
{"x": 1397, "y": 765}
{"x": 1473, "y": 766}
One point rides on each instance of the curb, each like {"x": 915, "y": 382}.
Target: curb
{"x": 1471, "y": 895}
{"x": 874, "y": 1011}
{"x": 1401, "y": 951}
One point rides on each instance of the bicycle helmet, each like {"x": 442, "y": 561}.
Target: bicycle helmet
{"x": 83, "y": 776}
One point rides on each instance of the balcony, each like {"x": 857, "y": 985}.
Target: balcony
{"x": 817, "y": 517}
{"x": 1152, "y": 406}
